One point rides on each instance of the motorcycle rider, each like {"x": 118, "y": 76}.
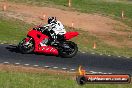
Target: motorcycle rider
{"x": 55, "y": 28}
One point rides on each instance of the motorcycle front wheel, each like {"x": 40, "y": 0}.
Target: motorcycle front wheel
{"x": 26, "y": 47}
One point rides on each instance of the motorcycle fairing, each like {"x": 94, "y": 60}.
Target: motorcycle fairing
{"x": 47, "y": 50}
{"x": 70, "y": 35}
{"x": 39, "y": 37}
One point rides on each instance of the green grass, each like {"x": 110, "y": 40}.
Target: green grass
{"x": 105, "y": 7}
{"x": 9, "y": 79}
{"x": 12, "y": 31}
{"x": 85, "y": 42}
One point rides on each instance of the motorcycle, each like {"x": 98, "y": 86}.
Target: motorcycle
{"x": 36, "y": 35}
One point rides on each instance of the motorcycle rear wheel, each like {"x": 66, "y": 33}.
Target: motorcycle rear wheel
{"x": 25, "y": 49}
{"x": 68, "y": 52}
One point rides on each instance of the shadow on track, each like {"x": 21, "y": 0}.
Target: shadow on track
{"x": 13, "y": 48}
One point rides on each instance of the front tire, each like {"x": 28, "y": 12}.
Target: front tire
{"x": 69, "y": 49}
{"x": 26, "y": 48}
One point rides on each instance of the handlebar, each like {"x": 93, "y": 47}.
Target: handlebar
{"x": 41, "y": 29}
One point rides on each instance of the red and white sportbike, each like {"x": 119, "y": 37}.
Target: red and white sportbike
{"x": 35, "y": 36}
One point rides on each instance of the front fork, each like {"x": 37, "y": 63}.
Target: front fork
{"x": 27, "y": 42}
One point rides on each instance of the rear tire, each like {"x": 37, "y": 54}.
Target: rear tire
{"x": 68, "y": 54}
{"x": 25, "y": 49}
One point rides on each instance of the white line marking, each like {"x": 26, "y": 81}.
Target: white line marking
{"x": 83, "y": 52}
{"x": 2, "y": 43}
{"x": 17, "y": 63}
{"x": 127, "y": 57}
{"x": 119, "y": 56}
{"x": 109, "y": 55}
{"x": 46, "y": 66}
{"x": 101, "y": 54}
{"x": 26, "y": 64}
{"x": 94, "y": 72}
{"x": 91, "y": 71}
{"x": 10, "y": 44}
{"x": 64, "y": 68}
{"x": 35, "y": 65}
{"x": 55, "y": 67}
{"x": 72, "y": 69}
{"x": 92, "y": 53}
{"x": 6, "y": 62}
{"x": 100, "y": 72}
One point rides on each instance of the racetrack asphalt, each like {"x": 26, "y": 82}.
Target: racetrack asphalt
{"x": 91, "y": 62}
